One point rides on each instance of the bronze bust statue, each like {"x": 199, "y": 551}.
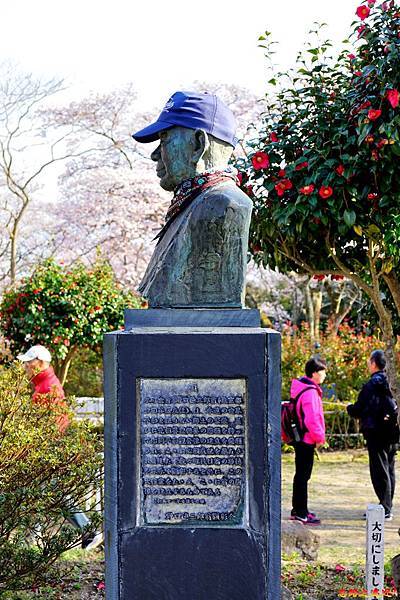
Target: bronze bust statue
{"x": 201, "y": 254}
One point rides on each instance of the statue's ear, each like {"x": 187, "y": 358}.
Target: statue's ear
{"x": 201, "y": 144}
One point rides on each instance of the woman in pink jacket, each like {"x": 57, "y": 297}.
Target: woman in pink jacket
{"x": 312, "y": 425}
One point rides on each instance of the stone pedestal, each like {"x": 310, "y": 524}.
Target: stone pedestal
{"x": 192, "y": 450}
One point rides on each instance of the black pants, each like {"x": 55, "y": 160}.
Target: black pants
{"x": 304, "y": 460}
{"x": 381, "y": 468}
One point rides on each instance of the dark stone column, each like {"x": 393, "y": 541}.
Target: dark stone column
{"x": 192, "y": 447}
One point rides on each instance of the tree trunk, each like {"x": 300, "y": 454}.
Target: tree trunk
{"x": 13, "y": 255}
{"x": 394, "y": 287}
{"x": 317, "y": 304}
{"x": 374, "y": 292}
{"x": 310, "y": 311}
{"x": 341, "y": 310}
{"x": 61, "y": 367}
{"x": 385, "y": 323}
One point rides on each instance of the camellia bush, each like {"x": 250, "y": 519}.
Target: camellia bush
{"x": 64, "y": 309}
{"x": 324, "y": 169}
{"x": 345, "y": 353}
{"x": 42, "y": 472}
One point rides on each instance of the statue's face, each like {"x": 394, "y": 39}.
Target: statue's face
{"x": 174, "y": 157}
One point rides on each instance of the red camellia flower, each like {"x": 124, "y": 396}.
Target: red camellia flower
{"x": 375, "y": 154}
{"x": 340, "y": 170}
{"x": 288, "y": 184}
{"x": 325, "y": 191}
{"x": 282, "y": 186}
{"x": 273, "y": 137}
{"x": 365, "y": 104}
{"x": 337, "y": 277}
{"x": 260, "y": 160}
{"x": 382, "y": 142}
{"x": 358, "y": 73}
{"x": 374, "y": 114}
{"x": 363, "y": 12}
{"x": 369, "y": 139}
{"x": 319, "y": 277}
{"x": 301, "y": 165}
{"x": 372, "y": 196}
{"x": 393, "y": 97}
{"x": 351, "y": 56}
{"x": 282, "y": 173}
{"x": 240, "y": 177}
{"x": 307, "y": 189}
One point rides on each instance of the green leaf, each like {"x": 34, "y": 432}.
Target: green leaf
{"x": 349, "y": 217}
{"x": 395, "y": 149}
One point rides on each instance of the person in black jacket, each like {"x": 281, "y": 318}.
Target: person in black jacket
{"x": 377, "y": 411}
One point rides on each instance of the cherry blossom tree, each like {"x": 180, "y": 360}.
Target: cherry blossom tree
{"x": 111, "y": 199}
{"x": 28, "y": 152}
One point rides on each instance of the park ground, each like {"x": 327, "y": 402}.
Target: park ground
{"x": 340, "y": 490}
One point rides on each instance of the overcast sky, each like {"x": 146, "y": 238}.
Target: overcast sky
{"x": 161, "y": 46}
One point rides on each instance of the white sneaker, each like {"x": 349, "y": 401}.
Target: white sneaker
{"x": 97, "y": 540}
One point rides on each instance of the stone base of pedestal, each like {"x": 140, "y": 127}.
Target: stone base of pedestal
{"x": 192, "y": 451}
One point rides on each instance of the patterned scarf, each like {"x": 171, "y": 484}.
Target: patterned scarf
{"x": 189, "y": 189}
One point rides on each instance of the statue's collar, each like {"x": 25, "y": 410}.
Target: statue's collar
{"x": 190, "y": 188}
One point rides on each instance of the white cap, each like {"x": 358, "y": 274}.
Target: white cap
{"x": 39, "y": 352}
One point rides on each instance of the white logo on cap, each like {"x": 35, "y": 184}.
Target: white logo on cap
{"x": 169, "y": 104}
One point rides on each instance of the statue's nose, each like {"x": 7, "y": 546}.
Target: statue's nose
{"x": 155, "y": 155}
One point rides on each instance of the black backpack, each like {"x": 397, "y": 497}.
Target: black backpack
{"x": 291, "y": 428}
{"x": 387, "y": 420}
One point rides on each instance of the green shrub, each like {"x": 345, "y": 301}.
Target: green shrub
{"x": 85, "y": 376}
{"x": 41, "y": 470}
{"x": 65, "y": 310}
{"x": 346, "y": 355}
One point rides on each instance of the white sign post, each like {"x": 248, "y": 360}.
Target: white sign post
{"x": 374, "y": 573}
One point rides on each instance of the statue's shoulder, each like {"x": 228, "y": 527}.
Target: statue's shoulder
{"x": 221, "y": 197}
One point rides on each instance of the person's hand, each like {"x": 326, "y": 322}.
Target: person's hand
{"x": 324, "y": 445}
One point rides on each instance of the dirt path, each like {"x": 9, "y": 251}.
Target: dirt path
{"x": 339, "y": 492}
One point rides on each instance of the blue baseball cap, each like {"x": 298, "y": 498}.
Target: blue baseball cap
{"x": 193, "y": 110}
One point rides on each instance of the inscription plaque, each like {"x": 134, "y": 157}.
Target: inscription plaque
{"x": 192, "y": 467}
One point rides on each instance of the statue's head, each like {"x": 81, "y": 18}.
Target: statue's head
{"x": 196, "y": 133}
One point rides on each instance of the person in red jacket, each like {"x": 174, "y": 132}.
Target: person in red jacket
{"x": 47, "y": 386}
{"x": 48, "y": 390}
{"x": 312, "y": 424}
